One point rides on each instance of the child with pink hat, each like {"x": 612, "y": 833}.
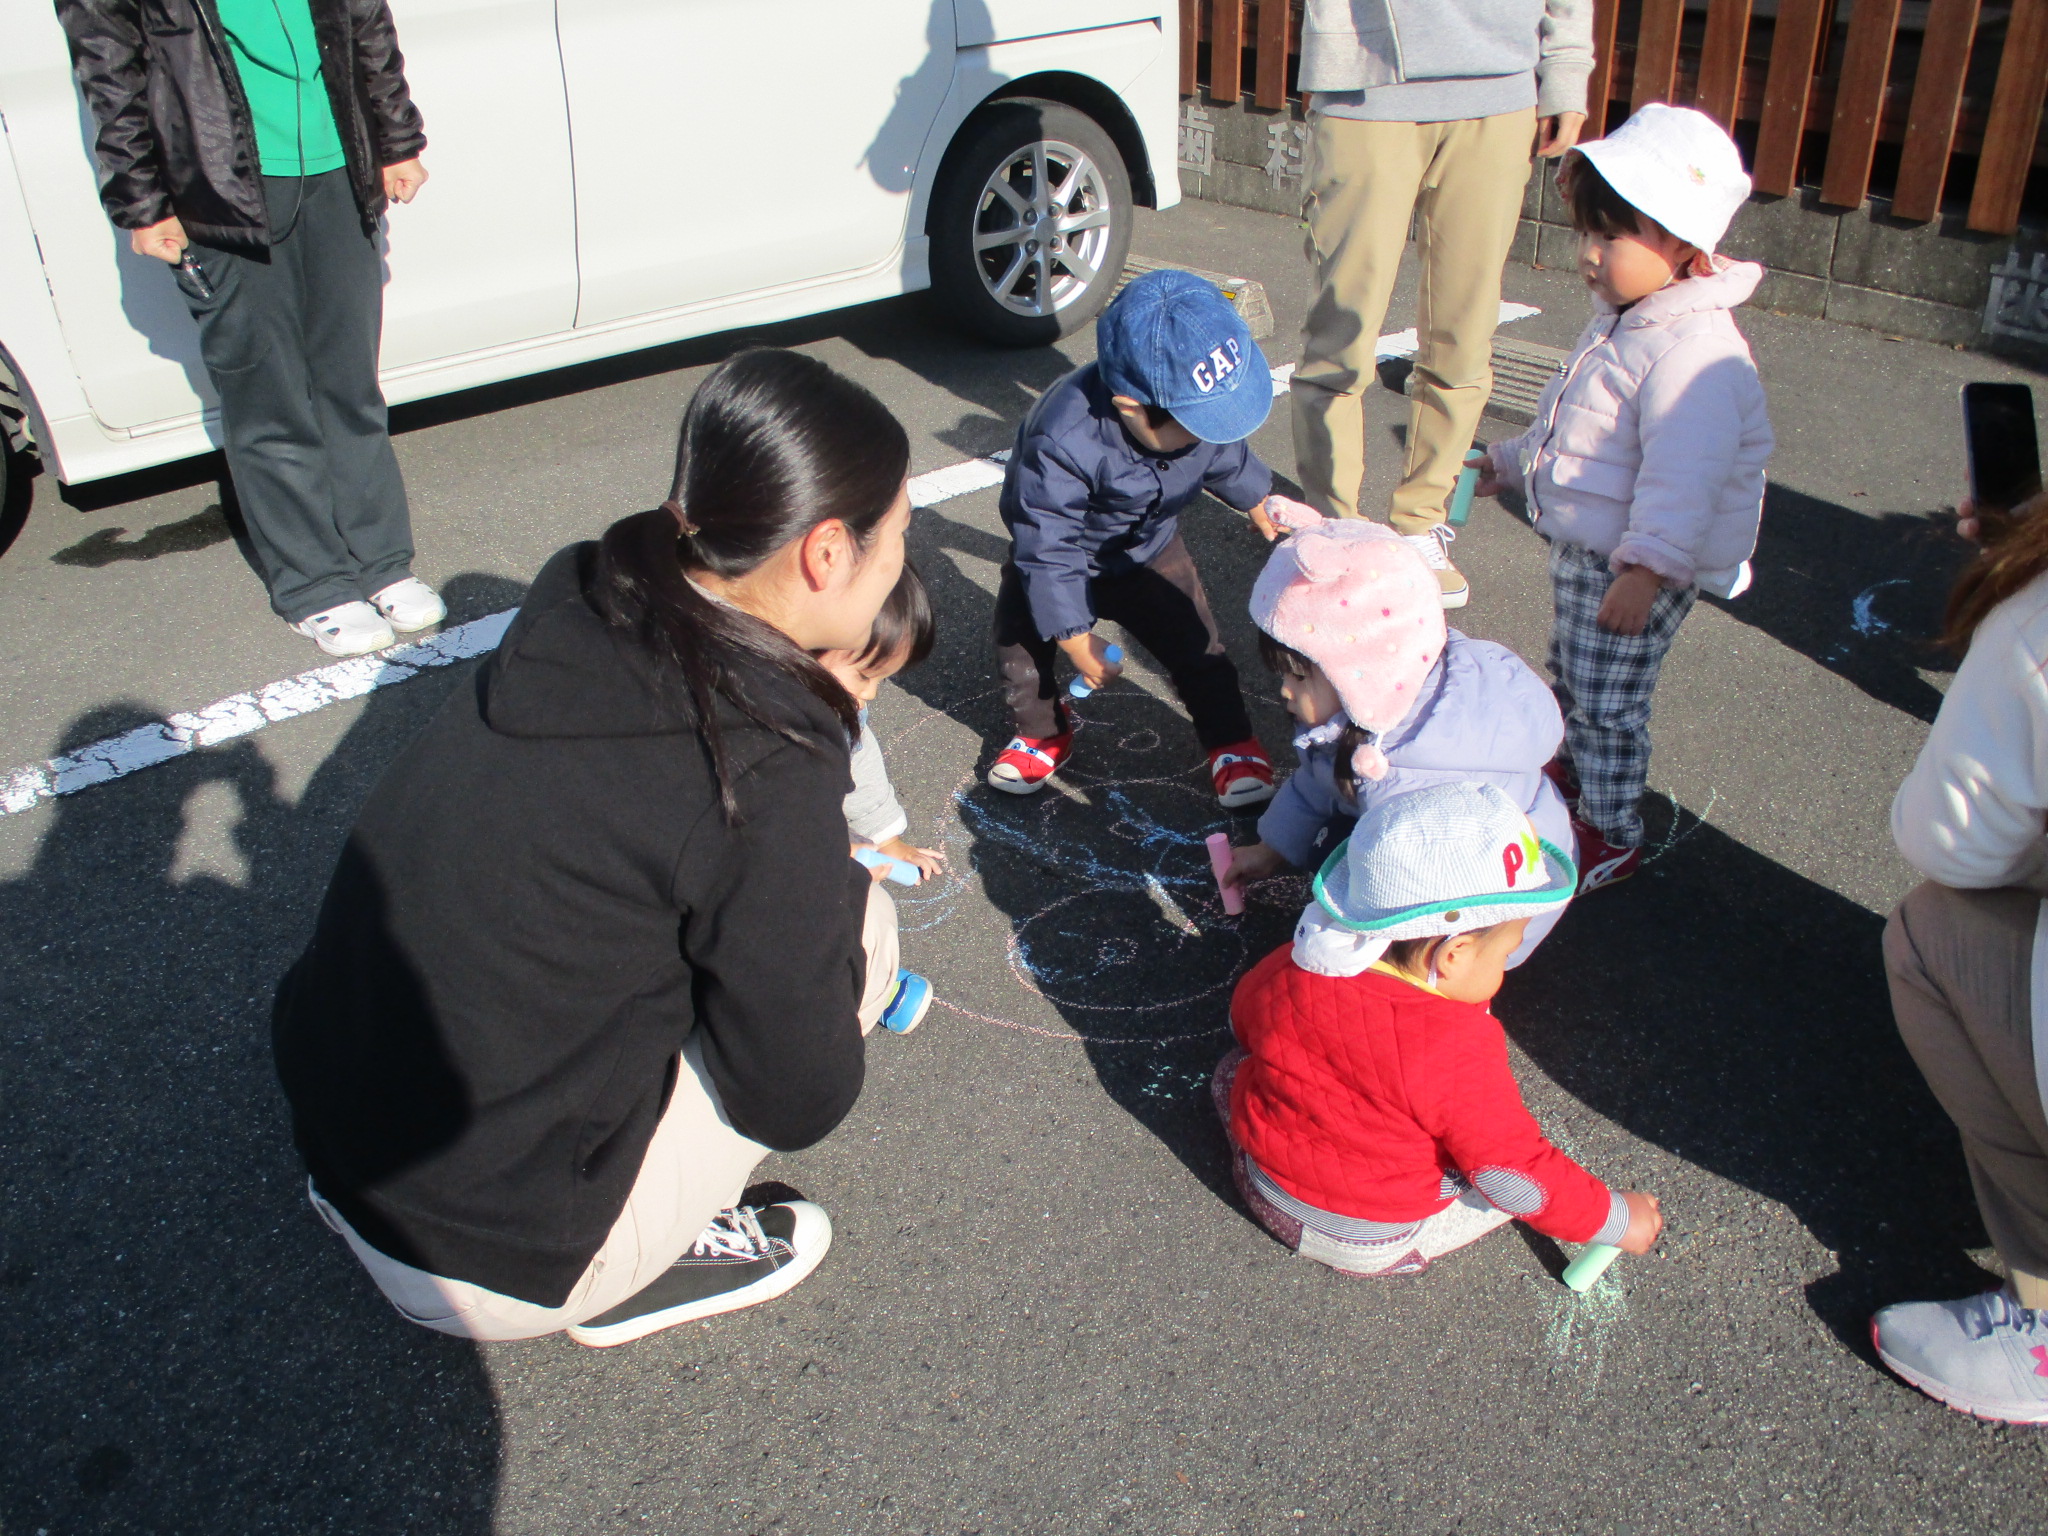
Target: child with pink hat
{"x": 1389, "y": 698}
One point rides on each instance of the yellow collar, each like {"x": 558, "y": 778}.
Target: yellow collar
{"x": 1387, "y": 970}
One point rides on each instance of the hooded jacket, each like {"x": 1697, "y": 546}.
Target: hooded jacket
{"x": 1649, "y": 448}
{"x": 540, "y": 902}
{"x": 1481, "y": 716}
{"x": 1421, "y": 61}
{"x": 175, "y": 131}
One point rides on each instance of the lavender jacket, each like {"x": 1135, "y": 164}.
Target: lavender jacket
{"x": 1482, "y": 716}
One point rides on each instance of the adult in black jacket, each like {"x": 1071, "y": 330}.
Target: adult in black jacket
{"x": 253, "y": 145}
{"x": 595, "y": 943}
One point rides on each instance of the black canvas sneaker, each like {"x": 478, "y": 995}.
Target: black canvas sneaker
{"x": 748, "y": 1254}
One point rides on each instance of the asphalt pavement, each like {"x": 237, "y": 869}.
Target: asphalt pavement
{"x": 1044, "y": 1310}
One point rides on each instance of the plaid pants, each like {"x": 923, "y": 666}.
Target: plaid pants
{"x": 1603, "y": 683}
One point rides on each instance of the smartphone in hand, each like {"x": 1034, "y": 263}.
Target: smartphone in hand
{"x": 2005, "y": 453}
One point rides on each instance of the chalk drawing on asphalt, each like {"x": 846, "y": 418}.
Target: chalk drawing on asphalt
{"x": 1124, "y": 930}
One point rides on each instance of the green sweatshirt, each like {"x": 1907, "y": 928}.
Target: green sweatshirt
{"x": 278, "y": 58}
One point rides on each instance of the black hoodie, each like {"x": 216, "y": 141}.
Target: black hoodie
{"x": 539, "y": 903}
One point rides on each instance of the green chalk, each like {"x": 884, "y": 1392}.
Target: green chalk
{"x": 1589, "y": 1266}
{"x": 1468, "y": 483}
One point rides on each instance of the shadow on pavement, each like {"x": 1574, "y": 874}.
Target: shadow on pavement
{"x": 1719, "y": 1006}
{"x": 1103, "y": 878}
{"x": 1861, "y": 594}
{"x": 185, "y": 1347}
{"x": 1735, "y": 1014}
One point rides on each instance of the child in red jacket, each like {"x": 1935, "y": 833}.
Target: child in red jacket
{"x": 1375, "y": 1119}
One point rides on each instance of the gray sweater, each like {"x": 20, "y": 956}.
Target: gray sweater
{"x": 1436, "y": 61}
{"x": 873, "y": 813}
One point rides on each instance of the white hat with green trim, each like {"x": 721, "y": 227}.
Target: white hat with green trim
{"x": 1448, "y": 859}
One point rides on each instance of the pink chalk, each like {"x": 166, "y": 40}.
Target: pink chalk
{"x": 1219, "y": 863}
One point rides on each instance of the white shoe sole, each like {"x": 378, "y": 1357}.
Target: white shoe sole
{"x": 1457, "y": 599}
{"x": 1941, "y": 1392}
{"x": 1238, "y": 797}
{"x": 811, "y": 1240}
{"x": 915, "y": 1019}
{"x": 336, "y": 647}
{"x": 413, "y": 629}
{"x": 997, "y": 779}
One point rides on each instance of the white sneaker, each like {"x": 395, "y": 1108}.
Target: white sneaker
{"x": 1430, "y": 545}
{"x": 410, "y": 604}
{"x": 351, "y": 629}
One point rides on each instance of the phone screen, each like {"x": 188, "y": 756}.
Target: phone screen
{"x": 2005, "y": 455}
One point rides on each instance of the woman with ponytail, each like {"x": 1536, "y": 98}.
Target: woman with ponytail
{"x": 1967, "y": 957}
{"x": 595, "y": 945}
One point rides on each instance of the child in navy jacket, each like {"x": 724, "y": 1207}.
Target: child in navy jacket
{"x": 1103, "y": 467}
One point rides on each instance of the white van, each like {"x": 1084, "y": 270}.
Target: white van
{"x": 613, "y": 174}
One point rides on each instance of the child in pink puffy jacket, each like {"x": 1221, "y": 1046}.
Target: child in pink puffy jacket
{"x": 1645, "y": 466}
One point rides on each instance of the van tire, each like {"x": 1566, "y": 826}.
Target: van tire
{"x": 1072, "y": 254}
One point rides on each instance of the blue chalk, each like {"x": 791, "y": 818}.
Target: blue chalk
{"x": 902, "y": 871}
{"x": 1079, "y": 686}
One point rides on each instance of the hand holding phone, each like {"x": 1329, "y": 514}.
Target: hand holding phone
{"x": 2005, "y": 452}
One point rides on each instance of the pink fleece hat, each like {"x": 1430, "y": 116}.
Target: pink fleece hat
{"x": 1355, "y": 599}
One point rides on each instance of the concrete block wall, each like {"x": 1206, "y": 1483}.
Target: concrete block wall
{"x": 1857, "y": 266}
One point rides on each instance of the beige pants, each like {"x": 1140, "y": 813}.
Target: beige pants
{"x": 1463, "y": 182}
{"x": 1960, "y": 965}
{"x": 696, "y": 1166}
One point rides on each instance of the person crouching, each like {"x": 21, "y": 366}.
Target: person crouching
{"x": 1375, "y": 1122}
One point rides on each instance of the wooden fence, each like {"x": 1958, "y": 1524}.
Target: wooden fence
{"x": 1924, "y": 100}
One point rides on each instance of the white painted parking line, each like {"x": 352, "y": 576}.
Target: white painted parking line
{"x": 239, "y": 714}
{"x": 1404, "y": 343}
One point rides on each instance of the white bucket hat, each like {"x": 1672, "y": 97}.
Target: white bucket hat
{"x": 1677, "y": 166}
{"x": 1433, "y": 862}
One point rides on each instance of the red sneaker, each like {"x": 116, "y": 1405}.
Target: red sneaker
{"x": 1242, "y": 774}
{"x": 1600, "y": 862}
{"x": 1027, "y": 762}
{"x": 1561, "y": 773}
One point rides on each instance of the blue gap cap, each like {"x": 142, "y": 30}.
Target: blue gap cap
{"x": 1172, "y": 340}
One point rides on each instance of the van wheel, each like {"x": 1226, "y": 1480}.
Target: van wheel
{"x": 1030, "y": 224}
{"x": 17, "y": 460}
{"x": 16, "y": 489}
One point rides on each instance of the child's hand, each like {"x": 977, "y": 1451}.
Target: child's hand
{"x": 1090, "y": 656}
{"x": 1645, "y": 1223}
{"x": 1253, "y": 863}
{"x": 1276, "y": 516}
{"x": 876, "y": 872}
{"x": 929, "y": 861}
{"x": 1490, "y": 484}
{"x": 1626, "y": 608}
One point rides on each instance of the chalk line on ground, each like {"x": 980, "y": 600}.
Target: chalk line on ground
{"x": 115, "y": 757}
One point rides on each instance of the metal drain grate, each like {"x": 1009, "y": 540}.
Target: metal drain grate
{"x": 1245, "y": 294}
{"x": 1521, "y": 371}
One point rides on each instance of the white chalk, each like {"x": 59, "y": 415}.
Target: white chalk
{"x": 1219, "y": 865}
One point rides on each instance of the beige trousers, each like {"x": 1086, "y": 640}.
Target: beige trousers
{"x": 1463, "y": 182}
{"x": 1960, "y": 965}
{"x": 696, "y": 1166}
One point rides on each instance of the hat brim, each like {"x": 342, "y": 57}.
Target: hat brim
{"x": 1640, "y": 177}
{"x": 1234, "y": 414}
{"x": 1439, "y": 918}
